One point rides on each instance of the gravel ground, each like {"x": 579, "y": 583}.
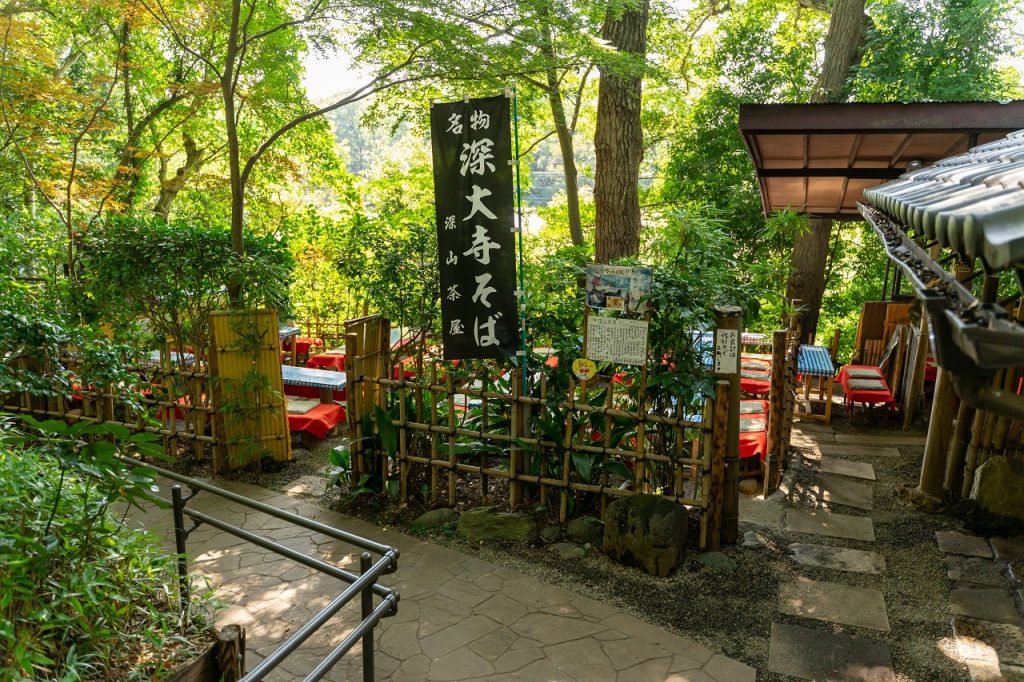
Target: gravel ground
{"x": 732, "y": 611}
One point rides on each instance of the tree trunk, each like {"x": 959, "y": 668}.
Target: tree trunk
{"x": 572, "y": 188}
{"x": 618, "y": 140}
{"x": 843, "y": 44}
{"x": 234, "y": 152}
{"x": 807, "y": 276}
{"x": 170, "y": 187}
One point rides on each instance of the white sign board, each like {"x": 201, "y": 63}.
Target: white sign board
{"x": 616, "y": 340}
{"x": 727, "y": 347}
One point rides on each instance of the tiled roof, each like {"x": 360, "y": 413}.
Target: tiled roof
{"x": 972, "y": 203}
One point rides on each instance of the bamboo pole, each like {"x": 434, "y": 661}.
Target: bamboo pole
{"x": 563, "y": 507}
{"x": 451, "y": 439}
{"x": 775, "y": 411}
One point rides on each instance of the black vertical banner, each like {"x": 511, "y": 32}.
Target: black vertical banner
{"x": 474, "y": 202}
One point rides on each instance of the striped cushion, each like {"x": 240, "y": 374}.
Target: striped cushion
{"x": 866, "y": 385}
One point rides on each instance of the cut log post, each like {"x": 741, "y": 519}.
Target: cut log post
{"x": 719, "y": 447}
{"x": 730, "y": 324}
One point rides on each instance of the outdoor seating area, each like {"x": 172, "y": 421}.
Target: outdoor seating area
{"x": 646, "y": 341}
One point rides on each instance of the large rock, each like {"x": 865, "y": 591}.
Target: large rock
{"x": 487, "y": 524}
{"x": 999, "y": 487}
{"x": 647, "y": 530}
{"x": 587, "y": 529}
{"x": 435, "y": 518}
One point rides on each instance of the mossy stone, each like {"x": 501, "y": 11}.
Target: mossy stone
{"x": 435, "y": 518}
{"x": 647, "y": 530}
{"x": 487, "y": 524}
{"x": 584, "y": 530}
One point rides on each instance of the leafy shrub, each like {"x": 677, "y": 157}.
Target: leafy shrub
{"x": 82, "y": 596}
{"x": 176, "y": 273}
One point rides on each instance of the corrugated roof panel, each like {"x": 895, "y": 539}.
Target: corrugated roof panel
{"x": 972, "y": 203}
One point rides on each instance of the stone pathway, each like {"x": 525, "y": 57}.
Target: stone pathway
{"x": 986, "y": 574}
{"x": 845, "y": 482}
{"x": 460, "y": 618}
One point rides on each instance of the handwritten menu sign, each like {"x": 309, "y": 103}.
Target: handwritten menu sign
{"x": 727, "y": 345}
{"x": 473, "y": 202}
{"x": 616, "y": 340}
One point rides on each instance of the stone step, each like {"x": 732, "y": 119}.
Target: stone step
{"x": 848, "y": 450}
{"x": 951, "y": 542}
{"x": 831, "y": 464}
{"x": 991, "y": 650}
{"x": 834, "y": 603}
{"x": 812, "y": 654}
{"x": 830, "y": 524}
{"x": 893, "y": 440}
{"x": 838, "y": 558}
{"x": 827, "y": 490}
{"x": 985, "y": 603}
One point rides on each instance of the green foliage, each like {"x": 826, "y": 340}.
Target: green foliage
{"x": 82, "y": 594}
{"x": 942, "y": 50}
{"x": 174, "y": 275}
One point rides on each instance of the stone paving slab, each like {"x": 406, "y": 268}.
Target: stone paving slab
{"x": 848, "y": 450}
{"x": 811, "y": 654}
{"x": 987, "y": 647}
{"x": 307, "y": 485}
{"x": 761, "y": 513}
{"x": 985, "y": 603}
{"x": 459, "y": 618}
{"x": 952, "y": 542}
{"x": 834, "y": 603}
{"x": 838, "y": 558}
{"x": 892, "y": 441}
{"x": 838, "y": 490}
{"x": 974, "y": 570}
{"x": 1008, "y": 549}
{"x": 831, "y": 464}
{"x": 812, "y": 427}
{"x": 831, "y": 524}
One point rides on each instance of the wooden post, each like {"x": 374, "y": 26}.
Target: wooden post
{"x": 353, "y": 399}
{"x": 563, "y": 509}
{"x": 231, "y": 653}
{"x": 775, "y": 410}
{"x": 515, "y": 486}
{"x": 719, "y": 447}
{"x": 433, "y": 433}
{"x": 452, "y": 459}
{"x": 729, "y": 325}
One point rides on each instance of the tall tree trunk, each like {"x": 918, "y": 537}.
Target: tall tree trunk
{"x": 227, "y": 87}
{"x": 618, "y": 140}
{"x": 572, "y": 187}
{"x": 843, "y": 44}
{"x": 562, "y": 130}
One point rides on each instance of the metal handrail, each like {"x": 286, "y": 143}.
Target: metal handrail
{"x": 364, "y": 584}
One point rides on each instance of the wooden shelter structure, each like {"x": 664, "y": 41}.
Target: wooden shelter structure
{"x": 819, "y": 158}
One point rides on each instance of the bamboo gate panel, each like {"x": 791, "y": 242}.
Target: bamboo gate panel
{"x": 480, "y": 426}
{"x": 367, "y": 355}
{"x": 170, "y": 402}
{"x": 245, "y": 357}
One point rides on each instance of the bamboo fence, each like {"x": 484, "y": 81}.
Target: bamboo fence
{"x": 160, "y": 399}
{"x": 459, "y": 429}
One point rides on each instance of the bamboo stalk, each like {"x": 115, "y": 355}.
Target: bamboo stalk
{"x": 433, "y": 433}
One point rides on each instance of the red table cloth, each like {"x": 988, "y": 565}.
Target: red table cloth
{"x": 317, "y": 422}
{"x": 334, "y": 361}
{"x": 753, "y": 434}
{"x": 866, "y": 396}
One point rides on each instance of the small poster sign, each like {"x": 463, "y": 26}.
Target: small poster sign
{"x": 614, "y": 287}
{"x": 727, "y": 345}
{"x": 617, "y": 340}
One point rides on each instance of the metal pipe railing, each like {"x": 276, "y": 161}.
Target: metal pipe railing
{"x": 364, "y": 585}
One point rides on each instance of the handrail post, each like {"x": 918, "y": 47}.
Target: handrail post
{"x": 178, "y": 508}
{"x": 365, "y": 561}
